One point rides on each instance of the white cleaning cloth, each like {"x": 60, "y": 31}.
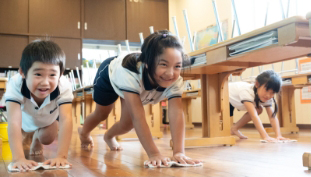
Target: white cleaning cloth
{"x": 40, "y": 166}
{"x": 173, "y": 164}
{"x": 279, "y": 141}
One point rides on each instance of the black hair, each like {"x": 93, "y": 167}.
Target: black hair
{"x": 44, "y": 51}
{"x": 271, "y": 80}
{"x": 153, "y": 46}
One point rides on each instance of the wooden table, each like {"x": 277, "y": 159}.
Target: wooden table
{"x": 293, "y": 41}
{"x": 286, "y": 102}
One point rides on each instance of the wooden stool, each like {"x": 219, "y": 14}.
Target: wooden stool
{"x": 306, "y": 160}
{"x": 187, "y": 97}
{"x": 76, "y": 110}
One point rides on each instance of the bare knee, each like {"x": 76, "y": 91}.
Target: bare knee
{"x": 102, "y": 112}
{"x": 126, "y": 125}
{"x": 48, "y": 134}
{"x": 46, "y": 139}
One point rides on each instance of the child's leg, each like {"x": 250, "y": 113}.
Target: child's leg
{"x": 123, "y": 126}
{"x": 27, "y": 139}
{"x": 101, "y": 113}
{"x": 44, "y": 136}
{"x": 239, "y": 124}
{"x": 243, "y": 121}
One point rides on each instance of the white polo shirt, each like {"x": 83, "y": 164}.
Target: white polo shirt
{"x": 239, "y": 92}
{"x": 123, "y": 79}
{"x": 33, "y": 116}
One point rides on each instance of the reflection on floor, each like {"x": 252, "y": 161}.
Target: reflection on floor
{"x": 247, "y": 158}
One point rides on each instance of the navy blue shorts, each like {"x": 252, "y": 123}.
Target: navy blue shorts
{"x": 104, "y": 93}
{"x": 231, "y": 110}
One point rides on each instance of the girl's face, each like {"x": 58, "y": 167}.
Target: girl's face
{"x": 169, "y": 67}
{"x": 264, "y": 94}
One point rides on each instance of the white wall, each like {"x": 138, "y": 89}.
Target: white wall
{"x": 200, "y": 15}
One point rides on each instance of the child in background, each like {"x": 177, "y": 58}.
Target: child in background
{"x": 35, "y": 99}
{"x": 252, "y": 98}
{"x": 139, "y": 79}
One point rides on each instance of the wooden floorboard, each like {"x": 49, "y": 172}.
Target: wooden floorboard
{"x": 248, "y": 158}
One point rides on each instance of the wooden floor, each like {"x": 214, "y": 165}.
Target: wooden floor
{"x": 247, "y": 158}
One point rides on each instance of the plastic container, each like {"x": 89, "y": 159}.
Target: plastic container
{"x": 4, "y": 131}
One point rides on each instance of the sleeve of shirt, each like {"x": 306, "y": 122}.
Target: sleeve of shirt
{"x": 13, "y": 92}
{"x": 126, "y": 80}
{"x": 175, "y": 90}
{"x": 246, "y": 96}
{"x": 65, "y": 96}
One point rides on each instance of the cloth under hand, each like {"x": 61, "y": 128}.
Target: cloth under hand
{"x": 173, "y": 164}
{"x": 40, "y": 166}
{"x": 279, "y": 141}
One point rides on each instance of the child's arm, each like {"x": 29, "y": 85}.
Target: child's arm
{"x": 256, "y": 120}
{"x": 275, "y": 123}
{"x": 64, "y": 136}
{"x": 137, "y": 113}
{"x": 15, "y": 136}
{"x": 177, "y": 125}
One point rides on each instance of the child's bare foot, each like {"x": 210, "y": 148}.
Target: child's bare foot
{"x": 112, "y": 143}
{"x": 238, "y": 133}
{"x": 36, "y": 148}
{"x": 85, "y": 140}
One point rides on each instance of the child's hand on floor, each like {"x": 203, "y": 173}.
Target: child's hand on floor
{"x": 183, "y": 159}
{"x": 282, "y": 138}
{"x": 270, "y": 139}
{"x": 58, "y": 161}
{"x": 157, "y": 160}
{"x": 24, "y": 164}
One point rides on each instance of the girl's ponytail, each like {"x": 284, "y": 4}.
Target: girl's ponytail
{"x": 275, "y": 108}
{"x": 130, "y": 62}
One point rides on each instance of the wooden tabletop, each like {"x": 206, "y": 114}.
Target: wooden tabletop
{"x": 297, "y": 75}
{"x": 293, "y": 42}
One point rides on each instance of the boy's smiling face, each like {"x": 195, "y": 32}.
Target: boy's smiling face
{"x": 42, "y": 79}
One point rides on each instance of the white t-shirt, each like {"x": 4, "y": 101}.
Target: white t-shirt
{"x": 240, "y": 92}
{"x": 123, "y": 79}
{"x": 33, "y": 116}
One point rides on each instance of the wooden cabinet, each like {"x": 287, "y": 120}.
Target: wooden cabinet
{"x": 11, "y": 48}
{"x": 72, "y": 49}
{"x": 22, "y": 20}
{"x": 55, "y": 18}
{"x": 141, "y": 14}
{"x": 104, "y": 19}
{"x": 14, "y": 16}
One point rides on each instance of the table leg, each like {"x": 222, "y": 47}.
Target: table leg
{"x": 216, "y": 122}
